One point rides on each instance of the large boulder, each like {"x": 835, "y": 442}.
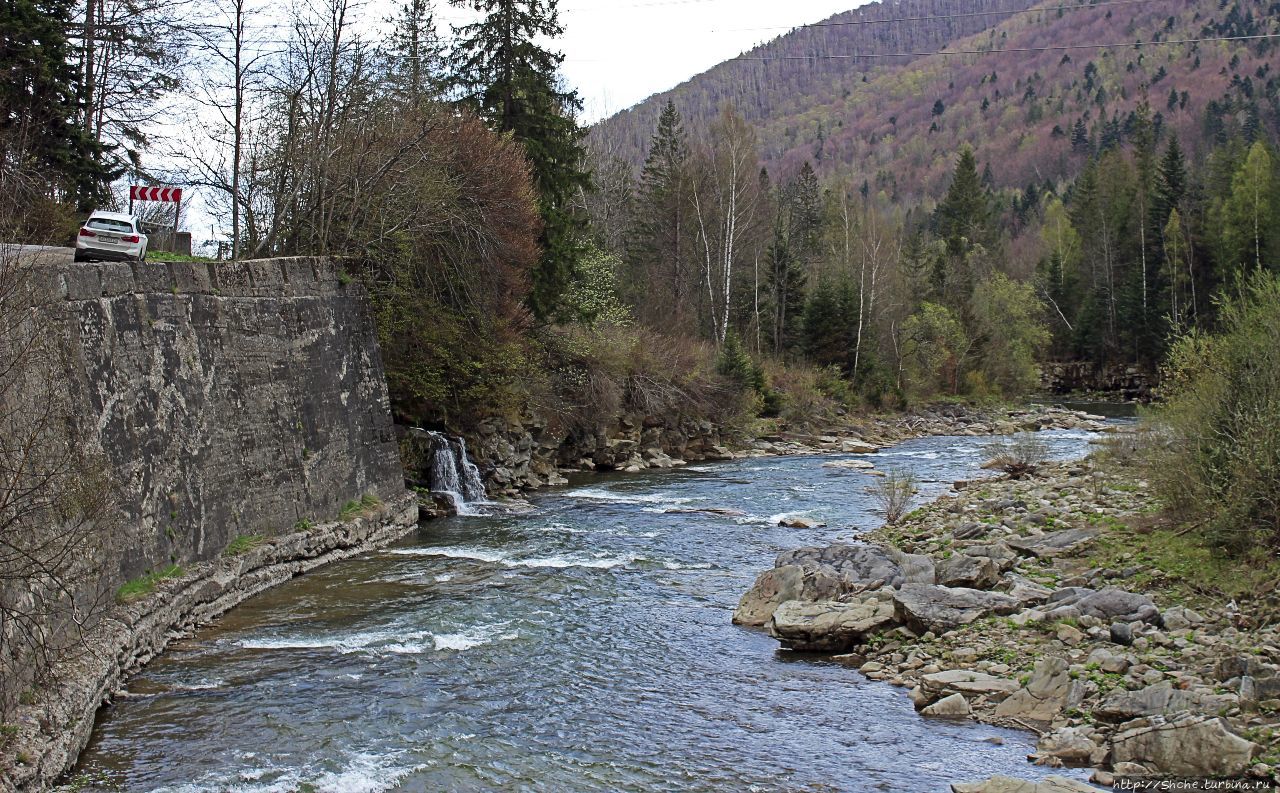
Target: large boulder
{"x": 1111, "y": 604}
{"x": 968, "y": 571}
{"x": 829, "y": 626}
{"x": 1069, "y": 744}
{"x": 853, "y": 564}
{"x": 830, "y": 573}
{"x": 1005, "y": 784}
{"x": 916, "y": 568}
{"x": 1187, "y": 745}
{"x": 1161, "y": 698}
{"x": 966, "y": 681}
{"x": 952, "y": 707}
{"x": 1053, "y": 543}
{"x": 1046, "y": 694}
{"x": 940, "y": 609}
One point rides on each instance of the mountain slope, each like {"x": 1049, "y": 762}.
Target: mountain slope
{"x": 896, "y": 122}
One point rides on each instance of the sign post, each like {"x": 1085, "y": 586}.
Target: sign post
{"x": 170, "y": 194}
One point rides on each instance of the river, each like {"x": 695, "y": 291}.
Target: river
{"x": 583, "y": 644}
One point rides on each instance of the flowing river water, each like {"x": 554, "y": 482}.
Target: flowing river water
{"x": 584, "y": 644}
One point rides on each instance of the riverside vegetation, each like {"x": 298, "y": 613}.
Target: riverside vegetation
{"x": 1089, "y": 601}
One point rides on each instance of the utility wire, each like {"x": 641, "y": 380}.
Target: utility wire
{"x": 1055, "y": 48}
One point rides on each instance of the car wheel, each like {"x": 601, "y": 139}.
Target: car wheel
{"x": 78, "y": 257}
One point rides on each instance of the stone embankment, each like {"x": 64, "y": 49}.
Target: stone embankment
{"x": 530, "y": 453}
{"x": 1046, "y": 604}
{"x": 236, "y": 409}
{"x": 56, "y": 727}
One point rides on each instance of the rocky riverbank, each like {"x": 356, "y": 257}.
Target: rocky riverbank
{"x": 529, "y": 453}
{"x": 1056, "y": 603}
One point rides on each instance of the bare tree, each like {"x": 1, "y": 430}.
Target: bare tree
{"x": 56, "y": 506}
{"x": 725, "y": 197}
{"x": 227, "y": 38}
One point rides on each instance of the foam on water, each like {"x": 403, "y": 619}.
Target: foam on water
{"x": 597, "y": 561}
{"x": 600, "y": 494}
{"x": 361, "y": 772}
{"x": 396, "y": 642}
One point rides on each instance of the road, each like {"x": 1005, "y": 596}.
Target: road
{"x": 44, "y": 254}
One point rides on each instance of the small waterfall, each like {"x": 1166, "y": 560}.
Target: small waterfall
{"x": 452, "y": 473}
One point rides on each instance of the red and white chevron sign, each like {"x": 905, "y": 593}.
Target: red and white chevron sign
{"x": 140, "y": 193}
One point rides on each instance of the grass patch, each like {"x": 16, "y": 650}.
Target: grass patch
{"x": 1183, "y": 565}
{"x": 243, "y": 544}
{"x": 304, "y": 525}
{"x": 361, "y": 507}
{"x": 145, "y": 584}
{"x": 166, "y": 256}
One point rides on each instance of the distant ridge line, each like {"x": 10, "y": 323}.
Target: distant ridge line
{"x": 940, "y": 17}
{"x": 1049, "y": 48}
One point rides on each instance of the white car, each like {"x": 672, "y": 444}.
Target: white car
{"x": 111, "y": 235}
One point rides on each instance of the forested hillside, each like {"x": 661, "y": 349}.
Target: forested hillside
{"x": 942, "y": 225}
{"x": 1033, "y": 110}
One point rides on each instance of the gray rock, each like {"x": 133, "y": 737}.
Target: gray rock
{"x": 772, "y": 588}
{"x": 1189, "y": 745}
{"x": 1159, "y": 699}
{"x": 1241, "y": 665}
{"x": 916, "y": 568}
{"x": 1180, "y": 618}
{"x": 852, "y": 564}
{"x": 1053, "y": 543}
{"x": 966, "y": 681}
{"x": 1049, "y": 690}
{"x": 1121, "y": 633}
{"x": 1004, "y": 784}
{"x": 940, "y": 609}
{"x": 952, "y": 707}
{"x": 828, "y": 626}
{"x": 968, "y": 571}
{"x": 1110, "y": 604}
{"x": 1069, "y": 745}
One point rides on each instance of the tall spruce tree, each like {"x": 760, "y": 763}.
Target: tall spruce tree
{"x": 417, "y": 53}
{"x": 38, "y": 128}
{"x": 964, "y": 222}
{"x": 511, "y": 82}
{"x": 655, "y": 248}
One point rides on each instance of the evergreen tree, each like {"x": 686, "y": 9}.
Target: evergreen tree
{"x": 786, "y": 280}
{"x": 963, "y": 222}
{"x": 655, "y": 248}
{"x": 1171, "y": 181}
{"x": 417, "y": 53}
{"x": 38, "y": 126}
{"x": 510, "y": 81}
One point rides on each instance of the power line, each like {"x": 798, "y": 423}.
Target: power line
{"x": 1055, "y": 48}
{"x": 940, "y": 17}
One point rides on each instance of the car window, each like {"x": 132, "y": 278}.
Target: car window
{"x": 105, "y": 224}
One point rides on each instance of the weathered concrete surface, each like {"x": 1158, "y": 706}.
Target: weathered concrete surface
{"x": 228, "y": 400}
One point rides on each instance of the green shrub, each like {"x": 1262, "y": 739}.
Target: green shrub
{"x": 1218, "y": 460}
